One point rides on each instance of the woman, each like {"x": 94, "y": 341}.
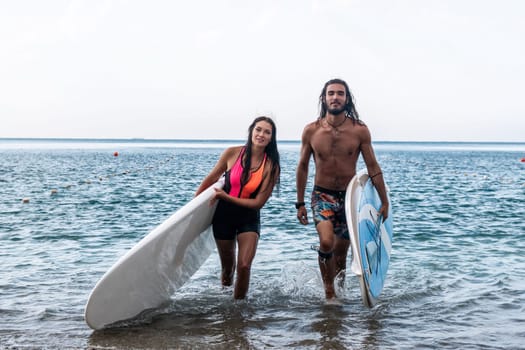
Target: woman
{"x": 251, "y": 172}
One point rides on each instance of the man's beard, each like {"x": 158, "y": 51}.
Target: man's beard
{"x": 336, "y": 111}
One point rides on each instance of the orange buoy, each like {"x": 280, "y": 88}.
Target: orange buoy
{"x": 25, "y": 200}
{"x": 523, "y": 160}
{"x": 115, "y": 154}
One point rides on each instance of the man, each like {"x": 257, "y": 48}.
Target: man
{"x": 335, "y": 140}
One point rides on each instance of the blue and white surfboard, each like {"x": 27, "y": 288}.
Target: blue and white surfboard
{"x": 370, "y": 236}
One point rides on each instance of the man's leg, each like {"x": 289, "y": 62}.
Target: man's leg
{"x": 326, "y": 260}
{"x": 340, "y": 257}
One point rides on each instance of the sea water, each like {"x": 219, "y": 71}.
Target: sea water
{"x": 70, "y": 208}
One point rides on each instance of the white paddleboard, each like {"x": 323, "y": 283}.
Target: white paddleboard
{"x": 370, "y": 237}
{"x": 151, "y": 271}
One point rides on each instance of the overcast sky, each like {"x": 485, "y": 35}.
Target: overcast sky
{"x": 420, "y": 70}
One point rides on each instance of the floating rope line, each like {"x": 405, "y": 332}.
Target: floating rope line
{"x": 101, "y": 178}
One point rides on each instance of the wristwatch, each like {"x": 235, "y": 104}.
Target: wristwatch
{"x": 299, "y": 204}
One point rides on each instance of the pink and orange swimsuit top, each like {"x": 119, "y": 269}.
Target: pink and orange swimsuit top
{"x": 233, "y": 185}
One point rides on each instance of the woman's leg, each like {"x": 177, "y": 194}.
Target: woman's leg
{"x": 226, "y": 250}
{"x": 247, "y": 242}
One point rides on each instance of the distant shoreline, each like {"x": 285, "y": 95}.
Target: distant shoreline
{"x": 144, "y": 140}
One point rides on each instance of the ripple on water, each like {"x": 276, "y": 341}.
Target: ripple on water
{"x": 455, "y": 279}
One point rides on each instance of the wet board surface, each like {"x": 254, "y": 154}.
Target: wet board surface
{"x": 150, "y": 272}
{"x": 371, "y": 237}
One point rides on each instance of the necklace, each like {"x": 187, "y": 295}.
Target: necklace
{"x": 254, "y": 168}
{"x": 259, "y": 163}
{"x": 336, "y": 126}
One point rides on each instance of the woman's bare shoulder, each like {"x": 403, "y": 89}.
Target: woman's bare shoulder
{"x": 233, "y": 150}
{"x": 230, "y": 153}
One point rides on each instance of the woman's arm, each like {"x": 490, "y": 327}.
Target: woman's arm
{"x": 262, "y": 196}
{"x": 219, "y": 169}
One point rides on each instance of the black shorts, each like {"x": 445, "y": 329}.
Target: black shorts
{"x": 230, "y": 220}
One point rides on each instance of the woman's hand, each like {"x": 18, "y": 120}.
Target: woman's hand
{"x": 219, "y": 194}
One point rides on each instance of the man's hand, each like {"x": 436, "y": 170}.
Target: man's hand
{"x": 302, "y": 215}
{"x": 383, "y": 211}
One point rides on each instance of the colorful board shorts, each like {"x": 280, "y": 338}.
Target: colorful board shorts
{"x": 330, "y": 205}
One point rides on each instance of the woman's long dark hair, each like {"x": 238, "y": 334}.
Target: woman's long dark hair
{"x": 270, "y": 150}
{"x": 350, "y": 109}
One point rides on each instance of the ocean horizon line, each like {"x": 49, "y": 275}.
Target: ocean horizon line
{"x": 197, "y": 140}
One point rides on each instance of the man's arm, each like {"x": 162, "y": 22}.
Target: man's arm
{"x": 301, "y": 175}
{"x": 375, "y": 173}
